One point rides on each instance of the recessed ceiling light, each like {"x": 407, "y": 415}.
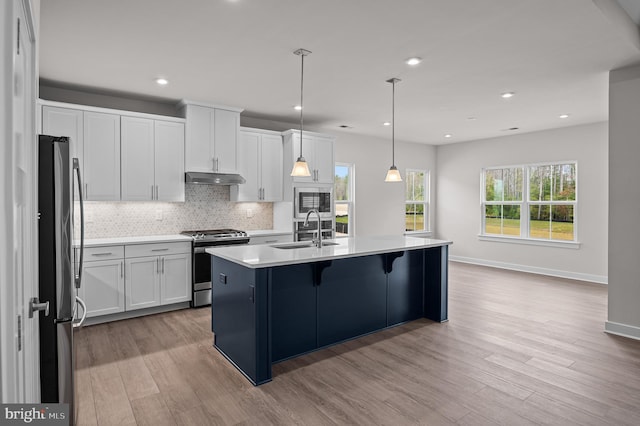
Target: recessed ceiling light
{"x": 508, "y": 95}
{"x": 162, "y": 81}
{"x": 448, "y": 135}
{"x": 413, "y": 61}
{"x": 511, "y": 129}
{"x": 564, "y": 116}
{"x": 386, "y": 123}
{"x": 471, "y": 118}
{"x": 297, "y": 107}
{"x": 345, "y": 126}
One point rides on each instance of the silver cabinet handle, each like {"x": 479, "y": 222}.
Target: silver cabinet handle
{"x": 157, "y": 265}
{"x": 213, "y": 163}
{"x": 157, "y": 193}
{"x": 122, "y": 269}
{"x": 35, "y": 306}
{"x": 152, "y": 192}
{"x": 86, "y": 190}
{"x": 162, "y": 249}
{"x": 163, "y": 265}
{"x": 102, "y": 254}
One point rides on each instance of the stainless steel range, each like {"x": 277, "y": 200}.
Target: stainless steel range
{"x": 202, "y": 261}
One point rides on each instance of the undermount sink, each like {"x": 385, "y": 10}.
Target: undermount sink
{"x": 304, "y": 244}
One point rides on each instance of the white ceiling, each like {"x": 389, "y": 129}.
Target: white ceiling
{"x": 554, "y": 54}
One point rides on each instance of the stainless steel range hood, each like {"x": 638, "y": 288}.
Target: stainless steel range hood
{"x": 214, "y": 178}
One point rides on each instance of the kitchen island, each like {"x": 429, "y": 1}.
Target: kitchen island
{"x": 274, "y": 302}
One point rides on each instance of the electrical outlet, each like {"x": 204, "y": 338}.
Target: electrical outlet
{"x": 249, "y": 213}
{"x": 158, "y": 214}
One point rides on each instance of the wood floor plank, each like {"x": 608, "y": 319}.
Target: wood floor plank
{"x": 519, "y": 349}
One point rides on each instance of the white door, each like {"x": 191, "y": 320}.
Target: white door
{"x": 271, "y": 167}
{"x": 19, "y": 359}
{"x": 142, "y": 285}
{"x": 137, "y": 154}
{"x": 101, "y": 156}
{"x": 175, "y": 278}
{"x": 103, "y": 287}
{"x": 324, "y": 164}
{"x": 226, "y": 129}
{"x": 248, "y": 166}
{"x": 169, "y": 161}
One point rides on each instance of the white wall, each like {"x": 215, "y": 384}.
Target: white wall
{"x": 380, "y": 205}
{"x": 459, "y": 213}
{"x": 624, "y": 202}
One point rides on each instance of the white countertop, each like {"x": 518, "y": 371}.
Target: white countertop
{"x": 144, "y": 239}
{"x": 264, "y": 255}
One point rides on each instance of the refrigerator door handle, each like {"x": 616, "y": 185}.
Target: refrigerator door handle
{"x": 80, "y": 302}
{"x": 76, "y": 167}
{"x": 35, "y": 306}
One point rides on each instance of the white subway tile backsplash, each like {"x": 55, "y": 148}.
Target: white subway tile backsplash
{"x": 205, "y": 207}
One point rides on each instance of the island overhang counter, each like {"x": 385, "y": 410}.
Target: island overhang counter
{"x": 271, "y": 303}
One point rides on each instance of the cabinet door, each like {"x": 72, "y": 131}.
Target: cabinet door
{"x": 248, "y": 148}
{"x": 406, "y": 283}
{"x": 226, "y": 128}
{"x": 102, "y": 287}
{"x": 199, "y": 142}
{"x": 175, "y": 278}
{"x": 323, "y": 160}
{"x": 142, "y": 282}
{"x": 271, "y": 167}
{"x": 293, "y": 311}
{"x": 352, "y": 299}
{"x": 169, "y": 161}
{"x": 101, "y": 156}
{"x": 137, "y": 171}
{"x": 64, "y": 122}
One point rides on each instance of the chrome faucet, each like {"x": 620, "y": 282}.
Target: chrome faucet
{"x": 318, "y": 241}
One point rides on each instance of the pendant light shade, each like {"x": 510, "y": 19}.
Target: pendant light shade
{"x": 393, "y": 175}
{"x": 301, "y": 168}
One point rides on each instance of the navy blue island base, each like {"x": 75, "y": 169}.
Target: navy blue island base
{"x": 261, "y": 316}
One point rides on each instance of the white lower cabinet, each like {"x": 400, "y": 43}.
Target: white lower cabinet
{"x": 142, "y": 282}
{"x": 102, "y": 286}
{"x": 135, "y": 276}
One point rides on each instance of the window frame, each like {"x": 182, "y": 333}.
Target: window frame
{"x": 351, "y": 204}
{"x": 426, "y": 202}
{"x": 525, "y": 205}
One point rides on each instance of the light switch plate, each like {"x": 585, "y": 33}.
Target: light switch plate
{"x": 158, "y": 214}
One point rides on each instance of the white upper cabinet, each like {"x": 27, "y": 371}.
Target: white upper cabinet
{"x": 65, "y": 122}
{"x": 317, "y": 149}
{"x": 211, "y": 138}
{"x": 101, "y": 156}
{"x": 152, "y": 160}
{"x": 138, "y": 183}
{"x": 169, "y": 161}
{"x": 260, "y": 163}
{"x": 123, "y": 155}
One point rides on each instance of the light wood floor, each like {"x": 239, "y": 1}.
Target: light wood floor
{"x": 519, "y": 349}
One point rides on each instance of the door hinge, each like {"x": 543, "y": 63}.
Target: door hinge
{"x": 18, "y": 42}
{"x": 19, "y": 333}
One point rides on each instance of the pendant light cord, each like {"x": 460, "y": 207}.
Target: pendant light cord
{"x": 301, "y": 101}
{"x": 393, "y": 123}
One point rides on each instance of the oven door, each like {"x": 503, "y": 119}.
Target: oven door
{"x": 201, "y": 277}
{"x": 307, "y": 199}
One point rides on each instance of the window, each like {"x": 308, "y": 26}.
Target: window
{"x": 344, "y": 200}
{"x": 530, "y": 201}
{"x": 417, "y": 201}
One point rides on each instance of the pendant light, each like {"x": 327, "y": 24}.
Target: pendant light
{"x": 393, "y": 175}
{"x": 301, "y": 168}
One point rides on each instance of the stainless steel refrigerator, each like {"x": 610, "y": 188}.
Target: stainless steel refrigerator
{"x": 60, "y": 273}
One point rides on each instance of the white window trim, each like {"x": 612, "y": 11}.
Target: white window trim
{"x": 525, "y": 204}
{"x": 351, "y": 202}
{"x": 427, "y": 203}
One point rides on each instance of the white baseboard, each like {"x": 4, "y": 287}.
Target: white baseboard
{"x": 623, "y": 330}
{"x": 600, "y": 279}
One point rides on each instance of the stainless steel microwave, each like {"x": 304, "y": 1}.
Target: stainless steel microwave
{"x": 320, "y": 199}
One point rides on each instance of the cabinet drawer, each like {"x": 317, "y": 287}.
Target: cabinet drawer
{"x": 155, "y": 249}
{"x": 103, "y": 253}
{"x": 271, "y": 239}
